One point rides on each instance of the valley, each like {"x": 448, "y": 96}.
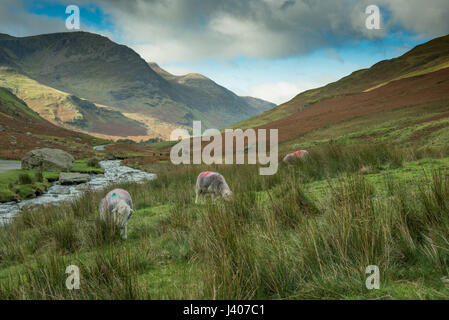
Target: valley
{"x": 374, "y": 191}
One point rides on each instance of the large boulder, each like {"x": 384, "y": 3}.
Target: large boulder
{"x": 73, "y": 178}
{"x": 48, "y": 160}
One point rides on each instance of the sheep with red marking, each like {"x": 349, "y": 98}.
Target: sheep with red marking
{"x": 292, "y": 157}
{"x": 212, "y": 183}
{"x": 117, "y": 206}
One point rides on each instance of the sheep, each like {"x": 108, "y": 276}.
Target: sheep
{"x": 118, "y": 206}
{"x": 292, "y": 157}
{"x": 213, "y": 183}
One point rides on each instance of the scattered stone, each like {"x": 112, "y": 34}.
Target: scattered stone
{"x": 48, "y": 160}
{"x": 73, "y": 178}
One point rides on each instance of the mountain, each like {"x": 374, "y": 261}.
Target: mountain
{"x": 199, "y": 90}
{"x": 93, "y": 68}
{"x": 259, "y": 104}
{"x": 22, "y": 129}
{"x": 69, "y": 111}
{"x": 395, "y": 98}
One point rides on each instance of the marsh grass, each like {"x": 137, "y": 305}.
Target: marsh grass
{"x": 274, "y": 239}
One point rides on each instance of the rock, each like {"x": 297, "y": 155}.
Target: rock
{"x": 73, "y": 178}
{"x": 1, "y": 128}
{"x": 109, "y": 157}
{"x": 83, "y": 187}
{"x": 59, "y": 190}
{"x": 48, "y": 160}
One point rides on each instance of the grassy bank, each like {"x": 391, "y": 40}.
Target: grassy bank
{"x": 308, "y": 231}
{"x": 20, "y": 184}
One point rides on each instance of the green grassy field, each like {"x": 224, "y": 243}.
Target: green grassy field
{"x": 307, "y": 232}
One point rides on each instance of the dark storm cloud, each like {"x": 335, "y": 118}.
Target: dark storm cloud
{"x": 176, "y": 30}
{"x": 287, "y": 4}
{"x": 170, "y": 30}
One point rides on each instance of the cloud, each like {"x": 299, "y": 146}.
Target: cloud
{"x": 15, "y": 20}
{"x": 332, "y": 53}
{"x": 192, "y": 30}
{"x": 170, "y": 30}
{"x": 287, "y": 4}
{"x": 279, "y": 92}
{"x": 425, "y": 18}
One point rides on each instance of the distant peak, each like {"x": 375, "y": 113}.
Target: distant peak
{"x": 195, "y": 76}
{"x": 188, "y": 76}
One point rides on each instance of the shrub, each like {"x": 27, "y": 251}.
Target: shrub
{"x": 24, "y": 178}
{"x": 93, "y": 162}
{"x": 11, "y": 186}
{"x": 39, "y": 176}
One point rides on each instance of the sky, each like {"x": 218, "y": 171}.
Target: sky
{"x": 269, "y": 49}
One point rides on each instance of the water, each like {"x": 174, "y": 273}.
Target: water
{"x": 114, "y": 173}
{"x": 6, "y": 165}
{"x": 99, "y": 148}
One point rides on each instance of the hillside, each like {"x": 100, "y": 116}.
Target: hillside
{"x": 94, "y": 68}
{"x": 69, "y": 111}
{"x": 423, "y": 59}
{"x": 200, "y": 90}
{"x": 22, "y": 129}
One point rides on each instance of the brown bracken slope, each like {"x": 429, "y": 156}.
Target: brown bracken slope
{"x": 400, "y": 93}
{"x": 22, "y": 130}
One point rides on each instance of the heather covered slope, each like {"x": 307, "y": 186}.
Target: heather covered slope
{"x": 428, "y": 92}
{"x": 421, "y": 60}
{"x": 22, "y": 129}
{"x": 93, "y": 67}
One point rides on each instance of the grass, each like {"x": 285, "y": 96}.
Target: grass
{"x": 307, "y": 232}
{"x": 84, "y": 166}
{"x": 23, "y": 184}
{"x": 422, "y": 126}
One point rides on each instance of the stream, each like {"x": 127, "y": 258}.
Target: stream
{"x": 114, "y": 173}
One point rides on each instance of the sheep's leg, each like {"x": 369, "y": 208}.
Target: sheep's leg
{"x": 124, "y": 233}
{"x": 212, "y": 195}
{"x": 196, "y": 199}
{"x": 203, "y": 198}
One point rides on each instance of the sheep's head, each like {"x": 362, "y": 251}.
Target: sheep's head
{"x": 227, "y": 194}
{"x": 122, "y": 212}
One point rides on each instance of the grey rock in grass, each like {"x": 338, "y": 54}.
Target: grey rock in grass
{"x": 73, "y": 178}
{"x": 48, "y": 160}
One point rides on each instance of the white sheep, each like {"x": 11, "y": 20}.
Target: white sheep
{"x": 212, "y": 183}
{"x": 294, "y": 156}
{"x": 117, "y": 205}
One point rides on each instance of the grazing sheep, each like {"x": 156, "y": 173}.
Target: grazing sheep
{"x": 292, "y": 157}
{"x": 118, "y": 205}
{"x": 213, "y": 183}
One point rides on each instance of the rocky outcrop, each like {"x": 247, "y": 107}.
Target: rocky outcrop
{"x": 73, "y": 178}
{"x": 48, "y": 160}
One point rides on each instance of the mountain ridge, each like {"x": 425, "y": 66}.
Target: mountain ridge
{"x": 94, "y": 68}
{"x": 425, "y": 58}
